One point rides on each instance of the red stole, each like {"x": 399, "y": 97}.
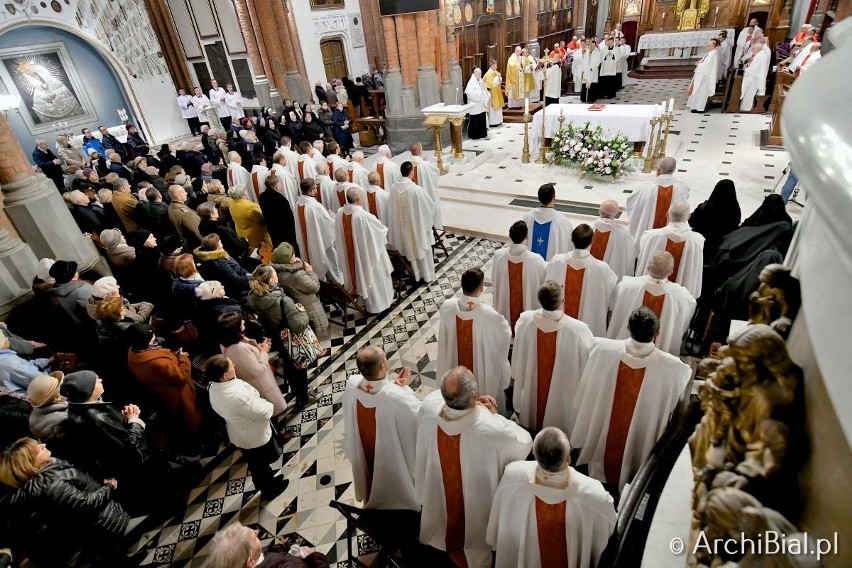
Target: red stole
{"x": 546, "y": 352}
{"x": 628, "y": 383}
{"x": 349, "y": 174}
{"x": 664, "y": 201}
{"x": 367, "y": 432}
{"x": 301, "y": 171}
{"x": 516, "y": 292}
{"x": 573, "y": 290}
{"x": 350, "y": 250}
{"x": 464, "y": 343}
{"x": 380, "y": 169}
{"x": 306, "y": 252}
{"x": 255, "y": 183}
{"x": 449, "y": 453}
{"x": 654, "y": 303}
{"x": 799, "y": 70}
{"x": 371, "y": 203}
{"x": 599, "y": 243}
{"x": 552, "y": 543}
{"x": 231, "y": 182}
{"x": 676, "y": 250}
{"x": 414, "y": 175}
{"x": 341, "y": 197}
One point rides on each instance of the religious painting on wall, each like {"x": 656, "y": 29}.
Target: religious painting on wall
{"x": 47, "y": 82}
{"x": 327, "y": 3}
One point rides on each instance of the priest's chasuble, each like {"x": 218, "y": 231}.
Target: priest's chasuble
{"x": 327, "y": 193}
{"x": 648, "y": 206}
{"x": 548, "y": 359}
{"x": 492, "y": 83}
{"x": 549, "y": 232}
{"x": 410, "y": 214}
{"x": 238, "y": 175}
{"x": 623, "y": 406}
{"x": 537, "y": 526}
{"x": 376, "y": 202}
{"x": 516, "y": 274}
{"x": 613, "y": 244}
{"x": 364, "y": 260}
{"x": 380, "y": 436}
{"x": 461, "y": 456}
{"x": 388, "y": 171}
{"x": 258, "y": 181}
{"x": 339, "y": 200}
{"x": 315, "y": 235}
{"x": 473, "y": 335}
{"x": 307, "y": 167}
{"x": 588, "y": 284}
{"x": 358, "y": 175}
{"x": 427, "y": 178}
{"x": 289, "y": 184}
{"x": 513, "y": 76}
{"x": 686, "y": 247}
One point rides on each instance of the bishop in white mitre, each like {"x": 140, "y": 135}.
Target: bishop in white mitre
{"x": 377, "y": 198}
{"x": 648, "y": 206}
{"x": 589, "y": 283}
{"x": 364, "y": 263}
{"x": 237, "y": 174}
{"x": 410, "y": 214}
{"x": 380, "y": 433}
{"x": 672, "y": 303}
{"x": 546, "y": 513}
{"x": 259, "y": 173}
{"x": 289, "y": 182}
{"x": 685, "y": 245}
{"x": 516, "y": 275}
{"x": 612, "y": 242}
{"x": 357, "y": 172}
{"x": 315, "y": 233}
{"x": 755, "y": 72}
{"x": 550, "y": 353}
{"x": 627, "y": 394}
{"x": 463, "y": 446}
{"x": 703, "y": 85}
{"x": 473, "y": 335}
{"x": 389, "y": 172}
{"x": 426, "y": 176}
{"x": 550, "y": 230}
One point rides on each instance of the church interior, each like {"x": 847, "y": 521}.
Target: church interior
{"x": 350, "y": 283}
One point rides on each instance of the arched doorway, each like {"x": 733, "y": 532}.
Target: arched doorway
{"x": 334, "y": 58}
{"x": 490, "y": 36}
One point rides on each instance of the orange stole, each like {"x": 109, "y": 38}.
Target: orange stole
{"x": 372, "y": 205}
{"x": 449, "y": 453}
{"x": 655, "y": 303}
{"x": 380, "y": 169}
{"x": 676, "y": 250}
{"x": 301, "y": 171}
{"x": 516, "y": 292}
{"x": 367, "y": 432}
{"x": 341, "y": 197}
{"x": 350, "y": 250}
{"x": 552, "y": 543}
{"x": 349, "y": 175}
{"x": 464, "y": 342}
{"x": 546, "y": 351}
{"x": 599, "y": 243}
{"x": 230, "y": 178}
{"x": 573, "y": 290}
{"x": 414, "y": 175}
{"x": 628, "y": 383}
{"x": 664, "y": 201}
{"x": 306, "y": 253}
{"x": 255, "y": 184}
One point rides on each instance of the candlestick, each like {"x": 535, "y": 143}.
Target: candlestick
{"x": 664, "y": 136}
{"x": 542, "y": 152}
{"x": 526, "y": 105}
{"x": 671, "y": 105}
{"x": 646, "y": 168}
{"x": 525, "y": 156}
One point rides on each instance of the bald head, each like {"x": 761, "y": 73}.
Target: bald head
{"x": 385, "y": 150}
{"x": 679, "y": 212}
{"x": 322, "y": 168}
{"x": 374, "y": 178}
{"x": 661, "y": 265}
{"x": 177, "y": 193}
{"x": 459, "y": 389}
{"x": 552, "y": 450}
{"x": 371, "y": 363}
{"x": 608, "y": 209}
{"x": 666, "y": 165}
{"x": 353, "y": 195}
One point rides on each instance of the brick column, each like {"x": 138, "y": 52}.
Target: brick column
{"x": 371, "y": 19}
{"x": 173, "y": 53}
{"x": 391, "y": 49}
{"x": 264, "y": 81}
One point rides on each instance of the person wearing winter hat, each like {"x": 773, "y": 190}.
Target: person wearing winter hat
{"x": 49, "y": 406}
{"x": 107, "y": 287}
{"x": 301, "y": 283}
{"x": 43, "y": 281}
{"x": 72, "y": 293}
{"x": 120, "y": 254}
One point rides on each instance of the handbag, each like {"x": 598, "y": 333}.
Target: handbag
{"x": 303, "y": 349}
{"x": 186, "y": 335}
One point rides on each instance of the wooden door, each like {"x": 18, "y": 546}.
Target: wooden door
{"x": 591, "y": 19}
{"x": 489, "y": 45}
{"x": 334, "y": 59}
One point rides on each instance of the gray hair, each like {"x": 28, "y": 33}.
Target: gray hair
{"x": 231, "y": 546}
{"x": 667, "y": 165}
{"x": 353, "y": 194}
{"x": 341, "y": 174}
{"x": 374, "y": 178}
{"x": 679, "y": 212}
{"x": 232, "y": 154}
{"x": 120, "y": 183}
{"x": 239, "y": 191}
{"x": 358, "y": 155}
{"x": 552, "y": 449}
{"x": 550, "y": 295}
{"x": 661, "y": 265}
{"x": 465, "y": 393}
{"x": 105, "y": 195}
{"x": 208, "y": 289}
{"x": 318, "y": 145}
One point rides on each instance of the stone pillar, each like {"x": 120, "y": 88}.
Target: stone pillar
{"x": 18, "y": 265}
{"x": 457, "y": 80}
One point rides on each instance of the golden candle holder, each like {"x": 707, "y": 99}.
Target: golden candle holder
{"x": 542, "y": 153}
{"x": 436, "y": 123}
{"x": 649, "y": 159}
{"x": 525, "y": 155}
{"x": 664, "y": 138}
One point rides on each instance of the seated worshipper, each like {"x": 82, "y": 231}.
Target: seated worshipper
{"x": 139, "y": 166}
{"x": 477, "y": 95}
{"x": 237, "y": 173}
{"x": 251, "y": 359}
{"x": 98, "y": 163}
{"x": 380, "y": 433}
{"x": 289, "y": 182}
{"x": 231, "y": 546}
{"x": 259, "y": 173}
{"x": 89, "y": 218}
{"x": 70, "y": 155}
{"x": 358, "y": 173}
{"x": 364, "y": 261}
{"x": 589, "y": 283}
{"x": 311, "y": 129}
{"x": 548, "y": 358}
{"x": 756, "y": 69}
{"x": 648, "y": 206}
{"x": 473, "y": 335}
{"x": 48, "y": 163}
{"x": 672, "y": 303}
{"x": 426, "y": 176}
{"x": 342, "y": 126}
{"x": 463, "y": 445}
{"x": 612, "y": 242}
{"x": 212, "y": 224}
{"x": 125, "y": 204}
{"x": 62, "y": 514}
{"x": 685, "y": 245}
{"x": 516, "y": 275}
{"x": 119, "y": 252}
{"x": 248, "y": 218}
{"x": 248, "y": 145}
{"x": 410, "y": 218}
{"x": 546, "y": 512}
{"x": 388, "y": 170}
{"x": 549, "y": 230}
{"x": 301, "y": 283}
{"x": 377, "y": 198}
{"x": 72, "y": 293}
{"x": 184, "y": 220}
{"x": 214, "y": 263}
{"x": 154, "y": 214}
{"x": 89, "y": 142}
{"x": 315, "y": 232}
{"x": 275, "y": 207}
{"x": 107, "y": 287}
{"x": 116, "y": 167}
{"x": 110, "y": 142}
{"x": 326, "y": 191}
{"x": 16, "y": 373}
{"x": 643, "y": 383}
{"x": 246, "y": 417}
{"x": 186, "y": 281}
{"x": 193, "y": 160}
{"x": 703, "y": 85}
{"x": 307, "y": 164}
{"x": 49, "y": 407}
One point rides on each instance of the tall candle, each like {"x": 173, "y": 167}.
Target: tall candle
{"x": 526, "y": 106}
{"x": 664, "y": 105}
{"x": 671, "y": 105}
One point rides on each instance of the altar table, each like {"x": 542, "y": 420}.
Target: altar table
{"x": 631, "y": 120}
{"x": 682, "y": 39}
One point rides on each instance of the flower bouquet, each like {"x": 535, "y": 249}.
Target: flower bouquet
{"x": 588, "y": 150}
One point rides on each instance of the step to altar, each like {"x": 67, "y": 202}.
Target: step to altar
{"x": 516, "y": 115}
{"x": 665, "y": 69}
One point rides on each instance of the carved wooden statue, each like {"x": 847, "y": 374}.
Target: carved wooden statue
{"x": 777, "y": 300}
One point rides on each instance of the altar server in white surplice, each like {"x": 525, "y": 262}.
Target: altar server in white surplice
{"x": 357, "y": 172}
{"x": 289, "y": 182}
{"x": 548, "y": 359}
{"x": 473, "y": 335}
{"x": 550, "y": 230}
{"x": 326, "y": 188}
{"x": 380, "y": 433}
{"x": 376, "y": 198}
{"x": 364, "y": 263}
{"x": 341, "y": 185}
{"x": 672, "y": 303}
{"x": 577, "y": 66}
{"x": 648, "y": 206}
{"x": 627, "y": 393}
{"x": 516, "y": 275}
{"x": 315, "y": 233}
{"x": 426, "y": 176}
{"x": 612, "y": 242}
{"x": 754, "y": 76}
{"x": 589, "y": 283}
{"x": 685, "y": 245}
{"x": 724, "y": 56}
{"x": 744, "y": 41}
{"x": 410, "y": 214}
{"x": 703, "y": 85}
{"x": 237, "y": 174}
{"x": 389, "y": 172}
{"x": 259, "y": 173}
{"x": 546, "y": 513}
{"x": 463, "y": 446}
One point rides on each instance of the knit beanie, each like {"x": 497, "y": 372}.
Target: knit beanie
{"x": 78, "y": 387}
{"x": 282, "y": 254}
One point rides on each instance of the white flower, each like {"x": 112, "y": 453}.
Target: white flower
{"x": 608, "y": 170}
{"x": 607, "y": 161}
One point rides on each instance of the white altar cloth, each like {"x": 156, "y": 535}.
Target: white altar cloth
{"x": 682, "y": 39}
{"x": 631, "y": 120}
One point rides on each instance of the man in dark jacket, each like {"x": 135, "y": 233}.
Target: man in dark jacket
{"x": 154, "y": 214}
{"x": 136, "y": 142}
{"x": 192, "y": 161}
{"x": 237, "y": 247}
{"x": 276, "y": 210}
{"x": 47, "y": 161}
{"x": 110, "y": 142}
{"x": 216, "y": 264}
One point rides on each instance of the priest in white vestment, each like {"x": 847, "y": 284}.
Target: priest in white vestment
{"x": 590, "y": 67}
{"x": 426, "y": 175}
{"x": 577, "y": 66}
{"x": 364, "y": 263}
{"x": 744, "y": 40}
{"x": 804, "y": 62}
{"x": 463, "y": 446}
{"x": 334, "y": 160}
{"x": 315, "y": 233}
{"x": 685, "y": 245}
{"x": 326, "y": 188}
{"x": 341, "y": 185}
{"x": 755, "y": 72}
{"x": 546, "y": 513}
{"x": 389, "y": 172}
{"x": 672, "y": 303}
{"x": 376, "y": 198}
{"x": 703, "y": 85}
{"x": 259, "y": 173}
{"x": 724, "y": 56}
{"x": 553, "y": 85}
{"x": 648, "y": 206}
{"x": 516, "y": 275}
{"x": 357, "y": 172}
{"x": 612, "y": 242}
{"x": 410, "y": 215}
{"x": 237, "y": 174}
{"x": 589, "y": 283}
{"x": 307, "y": 164}
{"x": 473, "y": 335}
{"x": 550, "y": 353}
{"x": 380, "y": 433}
{"x": 550, "y": 230}
{"x": 624, "y": 65}
{"x": 478, "y": 96}
{"x": 627, "y": 394}
{"x": 289, "y": 182}
{"x": 286, "y": 148}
